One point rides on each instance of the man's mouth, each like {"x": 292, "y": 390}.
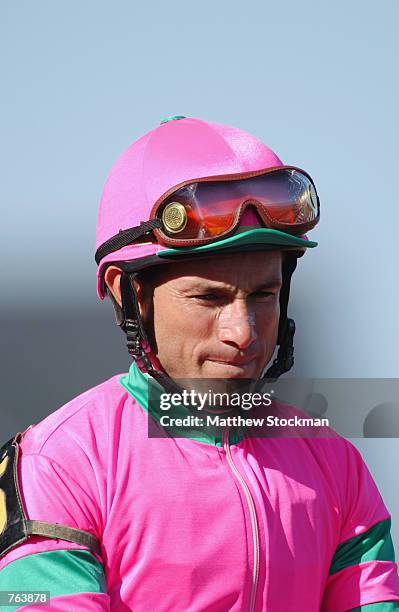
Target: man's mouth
{"x": 233, "y": 368}
{"x": 239, "y": 363}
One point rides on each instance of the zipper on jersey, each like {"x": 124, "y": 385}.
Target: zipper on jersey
{"x": 252, "y": 512}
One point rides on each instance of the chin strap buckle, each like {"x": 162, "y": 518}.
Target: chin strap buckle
{"x": 132, "y": 331}
{"x": 136, "y": 346}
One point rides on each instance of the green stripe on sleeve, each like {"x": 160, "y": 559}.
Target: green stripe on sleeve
{"x": 382, "y": 606}
{"x": 374, "y": 544}
{"x": 62, "y": 572}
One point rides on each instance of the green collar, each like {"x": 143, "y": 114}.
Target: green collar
{"x": 140, "y": 386}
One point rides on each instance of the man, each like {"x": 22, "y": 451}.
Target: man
{"x": 199, "y": 230}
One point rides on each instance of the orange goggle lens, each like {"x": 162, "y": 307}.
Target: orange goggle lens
{"x": 285, "y": 199}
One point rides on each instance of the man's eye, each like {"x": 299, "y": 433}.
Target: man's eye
{"x": 207, "y": 297}
{"x": 262, "y": 295}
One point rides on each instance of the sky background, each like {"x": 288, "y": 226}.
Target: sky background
{"x": 316, "y": 80}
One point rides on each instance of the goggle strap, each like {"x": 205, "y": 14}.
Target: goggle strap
{"x": 126, "y": 237}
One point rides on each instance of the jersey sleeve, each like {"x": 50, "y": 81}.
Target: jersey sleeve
{"x": 363, "y": 573}
{"x": 71, "y": 579}
{"x": 71, "y": 574}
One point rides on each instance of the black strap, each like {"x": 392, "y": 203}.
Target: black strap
{"x": 136, "y": 337}
{"x": 62, "y": 532}
{"x": 289, "y": 265}
{"x": 16, "y": 528}
{"x": 286, "y": 329}
{"x": 130, "y": 303}
{"x": 132, "y": 325}
{"x": 285, "y": 354}
{"x": 126, "y": 237}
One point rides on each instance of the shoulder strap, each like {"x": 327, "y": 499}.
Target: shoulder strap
{"x": 15, "y": 527}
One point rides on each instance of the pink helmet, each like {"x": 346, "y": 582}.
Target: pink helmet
{"x": 178, "y": 150}
{"x": 182, "y": 149}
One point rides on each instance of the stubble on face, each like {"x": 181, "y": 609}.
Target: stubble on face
{"x": 214, "y": 317}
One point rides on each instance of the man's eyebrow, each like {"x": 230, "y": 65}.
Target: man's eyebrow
{"x": 213, "y": 285}
{"x": 205, "y": 285}
{"x": 272, "y": 282}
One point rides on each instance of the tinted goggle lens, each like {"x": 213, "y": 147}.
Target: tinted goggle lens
{"x": 284, "y": 198}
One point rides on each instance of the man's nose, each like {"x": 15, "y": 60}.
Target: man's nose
{"x": 237, "y": 324}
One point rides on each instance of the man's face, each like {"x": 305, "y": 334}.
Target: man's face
{"x": 216, "y": 317}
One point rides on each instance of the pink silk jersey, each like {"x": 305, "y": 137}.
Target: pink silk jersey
{"x": 262, "y": 524}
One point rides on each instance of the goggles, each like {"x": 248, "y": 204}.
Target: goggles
{"x": 204, "y": 210}
{"x": 209, "y": 208}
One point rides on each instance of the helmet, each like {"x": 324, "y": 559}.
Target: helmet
{"x": 179, "y": 150}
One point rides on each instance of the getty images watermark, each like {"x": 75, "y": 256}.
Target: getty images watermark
{"x": 290, "y": 407}
{"x": 223, "y": 401}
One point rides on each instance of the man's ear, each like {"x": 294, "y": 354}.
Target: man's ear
{"x": 112, "y": 278}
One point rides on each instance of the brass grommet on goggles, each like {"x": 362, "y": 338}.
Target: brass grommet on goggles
{"x": 174, "y": 217}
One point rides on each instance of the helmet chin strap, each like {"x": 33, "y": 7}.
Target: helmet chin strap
{"x": 139, "y": 348}
{"x": 137, "y": 342}
{"x": 285, "y": 354}
{"x": 286, "y": 329}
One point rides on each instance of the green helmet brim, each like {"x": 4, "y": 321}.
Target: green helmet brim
{"x": 260, "y": 235}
